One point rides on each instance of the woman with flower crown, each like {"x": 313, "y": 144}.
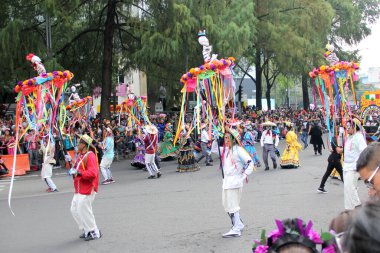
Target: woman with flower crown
{"x": 236, "y": 166}
{"x": 295, "y": 236}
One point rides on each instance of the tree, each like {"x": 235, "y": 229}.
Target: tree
{"x": 271, "y": 72}
{"x": 170, "y": 46}
{"x": 285, "y": 30}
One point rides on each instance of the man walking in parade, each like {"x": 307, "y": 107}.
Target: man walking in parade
{"x": 354, "y": 145}
{"x": 204, "y": 142}
{"x": 150, "y": 140}
{"x": 86, "y": 180}
{"x": 269, "y": 142}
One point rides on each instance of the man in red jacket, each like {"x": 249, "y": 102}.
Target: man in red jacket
{"x": 86, "y": 179}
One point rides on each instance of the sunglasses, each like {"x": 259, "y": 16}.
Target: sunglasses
{"x": 368, "y": 182}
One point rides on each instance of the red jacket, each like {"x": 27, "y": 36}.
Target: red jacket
{"x": 89, "y": 174}
{"x": 150, "y": 141}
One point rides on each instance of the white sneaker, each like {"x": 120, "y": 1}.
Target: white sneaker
{"x": 232, "y": 233}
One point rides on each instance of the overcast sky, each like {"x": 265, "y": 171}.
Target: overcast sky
{"x": 370, "y": 49}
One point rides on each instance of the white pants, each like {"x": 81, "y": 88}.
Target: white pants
{"x": 81, "y": 210}
{"x": 351, "y": 196}
{"x": 150, "y": 164}
{"x": 46, "y": 173}
{"x": 50, "y": 183}
{"x": 105, "y": 165}
{"x": 231, "y": 199}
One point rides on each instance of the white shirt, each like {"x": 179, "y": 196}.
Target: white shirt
{"x": 233, "y": 167}
{"x": 204, "y": 136}
{"x": 354, "y": 145}
{"x": 268, "y": 139}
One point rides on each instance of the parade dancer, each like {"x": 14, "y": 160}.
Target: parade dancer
{"x": 150, "y": 140}
{"x": 167, "y": 150}
{"x": 248, "y": 143}
{"x": 269, "y": 142}
{"x": 186, "y": 161}
{"x": 204, "y": 142}
{"x": 139, "y": 160}
{"x": 305, "y": 132}
{"x": 86, "y": 177}
{"x": 289, "y": 158}
{"x": 237, "y": 165}
{"x": 36, "y": 63}
{"x": 354, "y": 145}
{"x": 108, "y": 155}
{"x": 316, "y": 138}
{"x": 333, "y": 163}
{"x": 47, "y": 165}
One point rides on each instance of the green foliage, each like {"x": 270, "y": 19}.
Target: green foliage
{"x": 353, "y": 18}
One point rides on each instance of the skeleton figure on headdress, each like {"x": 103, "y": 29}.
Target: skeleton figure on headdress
{"x": 130, "y": 93}
{"x": 36, "y": 63}
{"x": 330, "y": 55}
{"x": 207, "y": 48}
{"x": 74, "y": 96}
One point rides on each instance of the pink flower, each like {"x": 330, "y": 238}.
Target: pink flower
{"x": 329, "y": 249}
{"x": 261, "y": 249}
{"x": 275, "y": 234}
{"x": 315, "y": 237}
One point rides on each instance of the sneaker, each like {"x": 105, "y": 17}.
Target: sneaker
{"x": 151, "y": 177}
{"x": 111, "y": 180}
{"x": 92, "y": 236}
{"x": 105, "y": 182}
{"x": 321, "y": 190}
{"x": 51, "y": 190}
{"x": 83, "y": 235}
{"x": 232, "y": 233}
{"x": 159, "y": 174}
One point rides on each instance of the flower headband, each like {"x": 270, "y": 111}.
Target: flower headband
{"x": 298, "y": 233}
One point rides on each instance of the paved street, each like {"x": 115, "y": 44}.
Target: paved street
{"x": 176, "y": 213}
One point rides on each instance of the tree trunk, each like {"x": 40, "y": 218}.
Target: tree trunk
{"x": 107, "y": 60}
{"x": 305, "y": 92}
{"x": 258, "y": 79}
{"x": 267, "y": 95}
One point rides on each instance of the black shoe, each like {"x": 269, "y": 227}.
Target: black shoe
{"x": 315, "y": 152}
{"x": 208, "y": 164}
{"x": 275, "y": 166}
{"x": 321, "y": 190}
{"x": 83, "y": 235}
{"x": 151, "y": 177}
{"x": 266, "y": 168}
{"x": 93, "y": 236}
{"x": 320, "y": 153}
{"x": 158, "y": 174}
